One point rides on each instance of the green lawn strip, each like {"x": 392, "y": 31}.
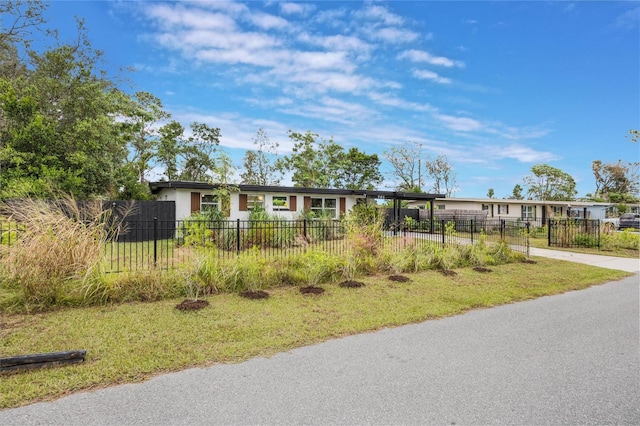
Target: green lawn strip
{"x": 132, "y": 342}
{"x": 616, "y": 252}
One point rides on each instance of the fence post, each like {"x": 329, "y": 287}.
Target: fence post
{"x": 442, "y": 230}
{"x": 527, "y": 237}
{"x": 155, "y": 241}
{"x": 502, "y": 228}
{"x": 549, "y": 234}
{"x": 471, "y": 231}
{"x": 598, "y": 226}
{"x": 237, "y": 236}
{"x": 304, "y": 229}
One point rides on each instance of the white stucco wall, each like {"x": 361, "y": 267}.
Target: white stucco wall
{"x": 182, "y": 198}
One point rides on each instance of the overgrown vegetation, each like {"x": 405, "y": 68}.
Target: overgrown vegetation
{"x": 134, "y": 341}
{"x": 56, "y": 261}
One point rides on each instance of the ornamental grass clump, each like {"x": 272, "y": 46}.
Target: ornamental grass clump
{"x": 60, "y": 245}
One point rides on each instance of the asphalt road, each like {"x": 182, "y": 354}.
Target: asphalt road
{"x": 567, "y": 359}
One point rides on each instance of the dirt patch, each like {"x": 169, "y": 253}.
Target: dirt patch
{"x": 448, "y": 273}
{"x": 249, "y": 294}
{"x": 351, "y": 284}
{"x": 399, "y": 278}
{"x": 482, "y": 269}
{"x": 192, "y": 305}
{"x": 529, "y": 261}
{"x": 311, "y": 290}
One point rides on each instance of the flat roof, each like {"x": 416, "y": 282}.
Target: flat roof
{"x": 390, "y": 195}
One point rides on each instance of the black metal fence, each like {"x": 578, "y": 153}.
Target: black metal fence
{"x": 573, "y": 233}
{"x": 281, "y": 238}
{"x": 167, "y": 244}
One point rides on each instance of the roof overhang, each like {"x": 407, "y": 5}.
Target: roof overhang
{"x": 156, "y": 187}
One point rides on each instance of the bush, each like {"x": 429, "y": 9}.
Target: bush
{"x": 60, "y": 245}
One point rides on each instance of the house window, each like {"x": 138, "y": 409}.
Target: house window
{"x": 323, "y": 207}
{"x": 280, "y": 203}
{"x": 557, "y": 210}
{"x": 528, "y": 212}
{"x": 254, "y": 201}
{"x": 441, "y": 207}
{"x": 209, "y": 203}
{"x": 503, "y": 208}
{"x": 485, "y": 207}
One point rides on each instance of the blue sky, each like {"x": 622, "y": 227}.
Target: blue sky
{"x": 495, "y": 86}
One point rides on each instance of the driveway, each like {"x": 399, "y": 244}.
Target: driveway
{"x": 610, "y": 262}
{"x": 567, "y": 359}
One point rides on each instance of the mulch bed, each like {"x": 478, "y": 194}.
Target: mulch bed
{"x": 482, "y": 269}
{"x": 311, "y": 290}
{"x": 351, "y": 284}
{"x": 448, "y": 273}
{"x": 191, "y": 305}
{"x": 529, "y": 261}
{"x": 249, "y": 294}
{"x": 399, "y": 278}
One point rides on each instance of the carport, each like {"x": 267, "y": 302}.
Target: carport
{"x": 397, "y": 197}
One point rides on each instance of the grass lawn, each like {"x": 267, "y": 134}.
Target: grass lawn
{"x": 133, "y": 342}
{"x": 617, "y": 252}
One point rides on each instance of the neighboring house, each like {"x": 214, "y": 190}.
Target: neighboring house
{"x": 286, "y": 202}
{"x": 526, "y": 210}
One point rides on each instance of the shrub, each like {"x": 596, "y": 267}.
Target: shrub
{"x": 61, "y": 243}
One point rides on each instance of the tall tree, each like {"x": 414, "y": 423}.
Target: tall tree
{"x": 443, "y": 175}
{"x": 616, "y": 182}
{"x": 490, "y": 193}
{"x": 406, "y": 163}
{"x": 321, "y": 163}
{"x": 516, "y": 194}
{"x": 59, "y": 125}
{"x": 313, "y": 160}
{"x": 200, "y": 152}
{"x": 549, "y": 183}
{"x": 18, "y": 20}
{"x": 358, "y": 170}
{"x": 634, "y": 135}
{"x": 258, "y": 167}
{"x": 142, "y": 123}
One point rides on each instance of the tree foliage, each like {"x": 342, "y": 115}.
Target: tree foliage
{"x": 258, "y": 167}
{"x": 405, "y": 161}
{"x": 490, "y": 193}
{"x": 65, "y": 125}
{"x": 616, "y": 182}
{"x": 322, "y": 163}
{"x": 549, "y": 183}
{"x": 58, "y": 125}
{"x": 358, "y": 170}
{"x": 516, "y": 194}
{"x": 443, "y": 176}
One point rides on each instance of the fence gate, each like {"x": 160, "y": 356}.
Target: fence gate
{"x": 574, "y": 233}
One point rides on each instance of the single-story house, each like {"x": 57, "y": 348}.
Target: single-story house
{"x": 286, "y": 202}
{"x": 526, "y": 210}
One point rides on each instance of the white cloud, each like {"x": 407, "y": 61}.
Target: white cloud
{"x": 296, "y": 8}
{"x": 430, "y": 75}
{"x": 168, "y": 18}
{"x": 379, "y": 13}
{"x": 461, "y": 124}
{"x": 396, "y": 102}
{"x": 392, "y": 35}
{"x": 421, "y": 56}
{"x": 629, "y": 19}
{"x": 332, "y": 109}
{"x": 521, "y": 153}
{"x": 268, "y": 22}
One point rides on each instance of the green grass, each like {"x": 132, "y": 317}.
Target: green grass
{"x": 132, "y": 342}
{"x": 613, "y": 251}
